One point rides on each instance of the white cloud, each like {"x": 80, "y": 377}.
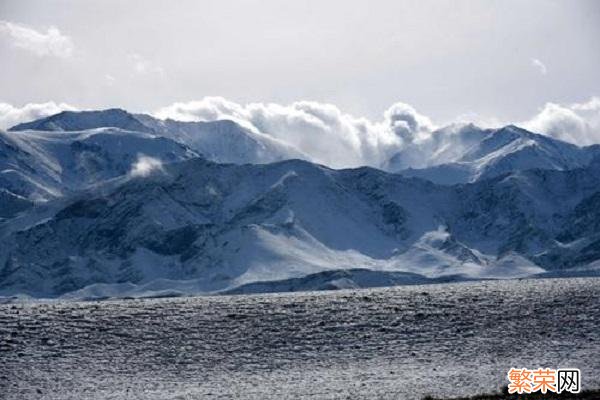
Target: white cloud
{"x": 406, "y": 123}
{"x": 146, "y": 165}
{"x": 49, "y": 43}
{"x": 540, "y": 66}
{"x": 143, "y": 66}
{"x": 577, "y": 123}
{"x": 320, "y": 130}
{"x": 592, "y": 105}
{"x": 11, "y": 115}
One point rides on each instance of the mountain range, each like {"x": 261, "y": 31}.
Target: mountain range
{"x": 109, "y": 203}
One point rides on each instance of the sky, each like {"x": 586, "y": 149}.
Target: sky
{"x": 490, "y": 62}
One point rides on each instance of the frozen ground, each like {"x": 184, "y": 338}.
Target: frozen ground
{"x": 399, "y": 343}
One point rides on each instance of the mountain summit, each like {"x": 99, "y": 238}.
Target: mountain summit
{"x": 471, "y": 153}
{"x": 82, "y": 120}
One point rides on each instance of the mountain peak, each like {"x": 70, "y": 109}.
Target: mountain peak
{"x": 82, "y": 120}
{"x": 481, "y": 154}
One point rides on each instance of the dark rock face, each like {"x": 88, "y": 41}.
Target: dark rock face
{"x": 12, "y": 204}
{"x": 82, "y": 209}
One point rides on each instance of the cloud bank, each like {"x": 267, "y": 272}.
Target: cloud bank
{"x": 320, "y": 130}
{"x": 578, "y": 123}
{"x": 49, "y": 43}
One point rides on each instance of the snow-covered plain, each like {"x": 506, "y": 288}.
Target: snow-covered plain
{"x": 394, "y": 343}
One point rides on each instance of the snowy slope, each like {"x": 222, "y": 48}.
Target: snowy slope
{"x": 224, "y": 141}
{"x": 40, "y": 166}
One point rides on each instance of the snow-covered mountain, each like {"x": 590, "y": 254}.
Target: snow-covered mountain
{"x": 90, "y": 210}
{"x": 82, "y": 120}
{"x": 39, "y": 166}
{"x": 213, "y": 227}
{"x": 467, "y": 154}
{"x": 224, "y": 141}
{"x": 219, "y": 141}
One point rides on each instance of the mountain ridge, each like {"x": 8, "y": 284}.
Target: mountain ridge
{"x": 165, "y": 219}
{"x": 83, "y": 120}
{"x": 281, "y": 222}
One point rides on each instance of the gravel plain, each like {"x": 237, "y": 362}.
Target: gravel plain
{"x": 397, "y": 343}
